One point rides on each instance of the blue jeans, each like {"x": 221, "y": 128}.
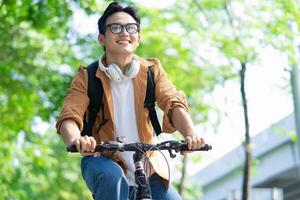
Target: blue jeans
{"x": 106, "y": 180}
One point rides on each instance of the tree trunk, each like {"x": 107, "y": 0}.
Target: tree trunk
{"x": 247, "y": 143}
{"x": 295, "y": 84}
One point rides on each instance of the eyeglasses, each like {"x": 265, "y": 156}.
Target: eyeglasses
{"x": 117, "y": 28}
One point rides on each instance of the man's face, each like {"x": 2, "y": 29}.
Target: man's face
{"x": 122, "y": 42}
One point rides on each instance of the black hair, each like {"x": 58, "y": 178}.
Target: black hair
{"x": 113, "y": 8}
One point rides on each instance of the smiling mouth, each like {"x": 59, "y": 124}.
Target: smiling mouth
{"x": 124, "y": 42}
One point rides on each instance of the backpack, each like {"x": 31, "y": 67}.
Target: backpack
{"x": 95, "y": 94}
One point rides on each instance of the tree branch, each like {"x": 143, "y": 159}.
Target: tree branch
{"x": 231, "y": 22}
{"x": 197, "y": 4}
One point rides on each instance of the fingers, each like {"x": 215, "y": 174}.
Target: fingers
{"x": 93, "y": 144}
{"x": 195, "y": 142}
{"x": 77, "y": 144}
{"x": 85, "y": 145}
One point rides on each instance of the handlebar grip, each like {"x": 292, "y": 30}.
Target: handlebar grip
{"x": 206, "y": 147}
{"x": 72, "y": 148}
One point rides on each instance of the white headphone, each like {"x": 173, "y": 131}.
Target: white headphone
{"x": 114, "y": 73}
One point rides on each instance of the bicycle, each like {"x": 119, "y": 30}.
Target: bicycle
{"x": 142, "y": 189}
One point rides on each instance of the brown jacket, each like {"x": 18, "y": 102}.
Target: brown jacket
{"x": 167, "y": 97}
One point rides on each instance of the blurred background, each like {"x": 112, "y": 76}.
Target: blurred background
{"x": 236, "y": 60}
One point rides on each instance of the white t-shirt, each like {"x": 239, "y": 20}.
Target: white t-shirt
{"x": 125, "y": 120}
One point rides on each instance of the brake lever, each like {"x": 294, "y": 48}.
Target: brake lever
{"x": 172, "y": 155}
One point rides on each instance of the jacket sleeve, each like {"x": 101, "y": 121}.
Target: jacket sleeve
{"x": 76, "y": 100}
{"x": 167, "y": 97}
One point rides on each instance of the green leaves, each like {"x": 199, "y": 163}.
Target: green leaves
{"x": 34, "y": 48}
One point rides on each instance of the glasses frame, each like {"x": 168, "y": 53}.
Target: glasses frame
{"x": 123, "y": 26}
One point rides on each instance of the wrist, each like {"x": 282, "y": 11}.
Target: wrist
{"x": 188, "y": 133}
{"x": 72, "y": 140}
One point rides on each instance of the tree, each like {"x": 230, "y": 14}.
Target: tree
{"x": 32, "y": 85}
{"x": 239, "y": 29}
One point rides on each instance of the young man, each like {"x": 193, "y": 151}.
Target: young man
{"x": 124, "y": 78}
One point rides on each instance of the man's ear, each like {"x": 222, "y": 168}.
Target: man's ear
{"x": 101, "y": 39}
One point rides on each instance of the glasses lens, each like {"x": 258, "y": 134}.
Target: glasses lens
{"x": 131, "y": 28}
{"x": 116, "y": 28}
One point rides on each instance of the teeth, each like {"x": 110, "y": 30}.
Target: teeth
{"x": 121, "y": 41}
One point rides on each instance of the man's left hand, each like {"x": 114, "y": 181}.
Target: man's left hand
{"x": 195, "y": 142}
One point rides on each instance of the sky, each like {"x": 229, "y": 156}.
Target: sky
{"x": 267, "y": 92}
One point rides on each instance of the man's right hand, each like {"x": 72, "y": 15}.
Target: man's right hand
{"x": 86, "y": 146}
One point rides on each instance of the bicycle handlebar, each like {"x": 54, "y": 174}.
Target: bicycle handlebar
{"x": 169, "y": 145}
{"x": 142, "y": 191}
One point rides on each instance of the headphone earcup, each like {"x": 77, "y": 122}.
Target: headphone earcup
{"x": 114, "y": 72}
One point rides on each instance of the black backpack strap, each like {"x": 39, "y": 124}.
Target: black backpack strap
{"x": 95, "y": 93}
{"x": 150, "y": 101}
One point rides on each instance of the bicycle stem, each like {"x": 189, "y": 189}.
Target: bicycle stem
{"x": 141, "y": 180}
